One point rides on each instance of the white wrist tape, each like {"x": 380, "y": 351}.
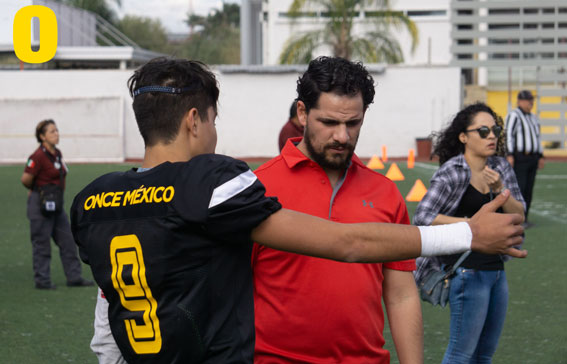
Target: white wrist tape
{"x": 445, "y": 239}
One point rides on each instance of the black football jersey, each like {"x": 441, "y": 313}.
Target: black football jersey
{"x": 170, "y": 248}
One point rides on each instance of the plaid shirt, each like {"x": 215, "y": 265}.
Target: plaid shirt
{"x": 449, "y": 183}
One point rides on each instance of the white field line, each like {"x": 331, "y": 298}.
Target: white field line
{"x": 426, "y": 166}
{"x": 551, "y": 176}
{"x": 547, "y": 215}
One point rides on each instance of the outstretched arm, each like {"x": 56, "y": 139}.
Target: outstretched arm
{"x": 492, "y": 233}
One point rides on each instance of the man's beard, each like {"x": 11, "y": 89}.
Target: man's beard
{"x": 338, "y": 163}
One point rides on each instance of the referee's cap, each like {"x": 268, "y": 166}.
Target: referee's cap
{"x": 525, "y": 95}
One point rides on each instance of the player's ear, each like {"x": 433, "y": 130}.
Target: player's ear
{"x": 191, "y": 121}
{"x": 301, "y": 113}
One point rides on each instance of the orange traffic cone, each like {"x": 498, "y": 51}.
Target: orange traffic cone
{"x": 411, "y": 159}
{"x": 394, "y": 173}
{"x": 384, "y": 154}
{"x": 417, "y": 192}
{"x": 375, "y": 163}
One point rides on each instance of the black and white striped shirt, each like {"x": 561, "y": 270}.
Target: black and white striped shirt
{"x": 523, "y": 133}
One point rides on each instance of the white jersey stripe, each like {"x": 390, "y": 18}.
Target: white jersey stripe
{"x": 523, "y": 133}
{"x": 232, "y": 188}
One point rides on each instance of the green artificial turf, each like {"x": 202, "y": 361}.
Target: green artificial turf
{"x": 56, "y": 326}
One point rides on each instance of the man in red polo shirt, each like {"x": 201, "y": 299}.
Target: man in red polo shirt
{"x": 311, "y": 310}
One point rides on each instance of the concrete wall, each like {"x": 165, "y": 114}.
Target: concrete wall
{"x": 93, "y": 111}
{"x": 91, "y": 108}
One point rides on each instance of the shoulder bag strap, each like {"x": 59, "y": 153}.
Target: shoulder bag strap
{"x": 459, "y": 262}
{"x": 53, "y": 160}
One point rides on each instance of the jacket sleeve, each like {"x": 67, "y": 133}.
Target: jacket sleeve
{"x": 433, "y": 201}
{"x": 509, "y": 180}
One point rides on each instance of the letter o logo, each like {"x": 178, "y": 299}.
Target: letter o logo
{"x": 47, "y": 34}
{"x": 168, "y": 194}
{"x": 89, "y": 203}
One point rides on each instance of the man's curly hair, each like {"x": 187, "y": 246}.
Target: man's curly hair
{"x": 337, "y": 75}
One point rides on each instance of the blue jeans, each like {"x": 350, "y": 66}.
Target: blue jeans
{"x": 478, "y": 301}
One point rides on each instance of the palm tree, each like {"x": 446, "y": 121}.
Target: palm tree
{"x": 375, "y": 44}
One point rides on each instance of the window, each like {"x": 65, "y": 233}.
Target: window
{"x": 503, "y": 26}
{"x": 503, "y": 11}
{"x": 427, "y": 13}
{"x": 303, "y": 14}
{"x": 531, "y": 11}
{"x": 495, "y": 41}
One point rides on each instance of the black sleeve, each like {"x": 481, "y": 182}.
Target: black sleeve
{"x": 236, "y": 202}
{"x": 75, "y": 217}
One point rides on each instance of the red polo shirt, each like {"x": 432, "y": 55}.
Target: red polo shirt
{"x": 45, "y": 169}
{"x": 311, "y": 310}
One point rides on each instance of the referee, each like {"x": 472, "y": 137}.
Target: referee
{"x": 525, "y": 152}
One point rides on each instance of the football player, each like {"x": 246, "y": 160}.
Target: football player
{"x": 170, "y": 243}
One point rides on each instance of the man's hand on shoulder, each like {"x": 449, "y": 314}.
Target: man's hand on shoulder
{"x": 497, "y": 233}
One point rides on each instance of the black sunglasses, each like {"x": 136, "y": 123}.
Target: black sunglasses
{"x": 484, "y": 131}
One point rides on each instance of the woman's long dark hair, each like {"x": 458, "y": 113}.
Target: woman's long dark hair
{"x": 446, "y": 142}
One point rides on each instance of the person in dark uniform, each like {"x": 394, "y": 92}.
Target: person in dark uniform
{"x": 170, "y": 243}
{"x": 525, "y": 152}
{"x": 44, "y": 167}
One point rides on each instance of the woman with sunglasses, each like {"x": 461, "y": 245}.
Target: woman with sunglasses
{"x": 472, "y": 171}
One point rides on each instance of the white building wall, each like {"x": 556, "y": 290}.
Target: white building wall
{"x": 91, "y": 108}
{"x": 93, "y": 112}
{"x": 434, "y": 31}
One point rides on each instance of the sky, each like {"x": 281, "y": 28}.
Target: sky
{"x": 171, "y": 13}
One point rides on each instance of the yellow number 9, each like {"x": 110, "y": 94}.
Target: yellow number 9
{"x": 47, "y": 34}
{"x": 135, "y": 295}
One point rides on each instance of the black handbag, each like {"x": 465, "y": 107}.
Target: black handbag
{"x": 434, "y": 282}
{"x": 51, "y": 195}
{"x": 50, "y": 199}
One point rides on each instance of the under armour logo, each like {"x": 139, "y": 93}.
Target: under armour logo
{"x": 364, "y": 203}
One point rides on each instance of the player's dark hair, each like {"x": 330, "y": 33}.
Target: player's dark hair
{"x": 336, "y": 75}
{"x": 40, "y": 128}
{"x": 293, "y": 109}
{"x": 159, "y": 114}
{"x": 446, "y": 142}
